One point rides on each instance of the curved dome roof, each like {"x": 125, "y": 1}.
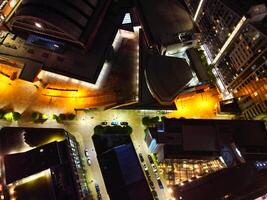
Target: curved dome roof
{"x": 166, "y": 77}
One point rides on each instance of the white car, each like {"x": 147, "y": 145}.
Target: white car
{"x": 87, "y": 155}
{"x": 89, "y": 162}
{"x": 145, "y": 167}
{"x": 154, "y": 168}
{"x": 86, "y": 152}
{"x": 157, "y": 175}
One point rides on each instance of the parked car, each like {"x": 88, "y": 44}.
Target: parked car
{"x": 99, "y": 197}
{"x": 160, "y": 184}
{"x": 157, "y": 175}
{"x": 154, "y": 168}
{"x": 113, "y": 123}
{"x": 154, "y": 193}
{"x": 150, "y": 159}
{"x": 87, "y": 155}
{"x": 141, "y": 157}
{"x": 145, "y": 167}
{"x": 86, "y": 152}
{"x": 151, "y": 184}
{"x": 89, "y": 162}
{"x": 97, "y": 188}
{"x": 147, "y": 174}
{"x": 104, "y": 123}
{"x": 124, "y": 123}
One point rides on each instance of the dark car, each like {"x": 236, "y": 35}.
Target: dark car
{"x": 124, "y": 123}
{"x": 150, "y": 159}
{"x": 154, "y": 193}
{"x": 160, "y": 184}
{"x": 104, "y": 123}
{"x": 97, "y": 188}
{"x": 99, "y": 197}
{"x": 141, "y": 157}
{"x": 147, "y": 174}
{"x": 151, "y": 184}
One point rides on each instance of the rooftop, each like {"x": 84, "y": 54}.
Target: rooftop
{"x": 123, "y": 175}
{"x": 165, "y": 20}
{"x": 167, "y": 76}
{"x": 50, "y": 53}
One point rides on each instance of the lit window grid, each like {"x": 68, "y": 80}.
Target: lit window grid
{"x": 226, "y": 75}
{"x": 177, "y": 172}
{"x": 228, "y": 19}
{"x": 259, "y": 86}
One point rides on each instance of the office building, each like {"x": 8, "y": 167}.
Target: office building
{"x": 195, "y": 152}
{"x": 168, "y": 27}
{"x": 72, "y": 39}
{"x": 54, "y": 165}
{"x": 123, "y": 175}
{"x": 233, "y": 35}
{"x": 241, "y": 182}
{"x": 208, "y": 139}
{"x": 243, "y": 70}
{"x": 120, "y": 167}
{"x": 168, "y": 76}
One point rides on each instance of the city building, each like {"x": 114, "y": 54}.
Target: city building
{"x": 38, "y": 47}
{"x": 71, "y": 39}
{"x": 120, "y": 167}
{"x": 208, "y": 139}
{"x": 123, "y": 174}
{"x": 167, "y": 27}
{"x": 194, "y": 154}
{"x": 194, "y": 7}
{"x": 233, "y": 35}
{"x": 241, "y": 182}
{"x": 166, "y": 77}
{"x": 243, "y": 71}
{"x": 52, "y": 163}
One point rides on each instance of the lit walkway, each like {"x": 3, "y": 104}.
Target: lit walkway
{"x": 201, "y": 105}
{"x": 23, "y": 96}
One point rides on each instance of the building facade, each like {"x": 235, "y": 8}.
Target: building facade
{"x": 192, "y": 149}
{"x": 53, "y": 162}
{"x": 234, "y": 39}
{"x": 208, "y": 139}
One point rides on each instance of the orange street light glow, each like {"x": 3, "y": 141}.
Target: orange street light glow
{"x": 200, "y": 105}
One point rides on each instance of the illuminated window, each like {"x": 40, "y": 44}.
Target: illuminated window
{"x": 12, "y": 3}
{"x": 127, "y": 19}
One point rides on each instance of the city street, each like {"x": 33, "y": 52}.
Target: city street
{"x": 82, "y": 129}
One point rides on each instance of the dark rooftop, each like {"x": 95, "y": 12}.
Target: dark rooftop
{"x": 197, "y": 66}
{"x": 167, "y": 76}
{"x": 219, "y": 184}
{"x": 165, "y": 20}
{"x": 146, "y": 100}
{"x": 33, "y": 161}
{"x": 123, "y": 175}
{"x": 73, "y": 61}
